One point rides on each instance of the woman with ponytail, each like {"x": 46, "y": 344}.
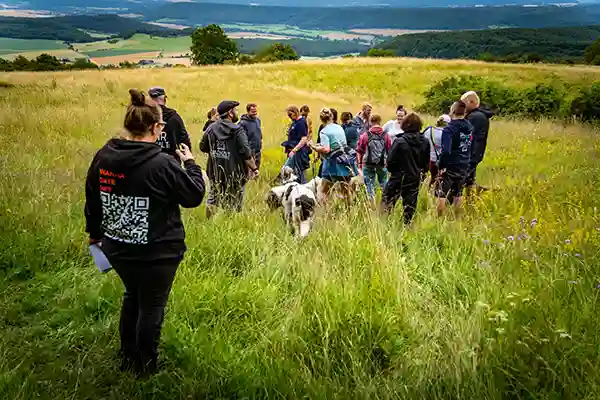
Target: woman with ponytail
{"x": 133, "y": 194}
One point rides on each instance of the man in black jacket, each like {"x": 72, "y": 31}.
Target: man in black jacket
{"x": 230, "y": 160}
{"x": 174, "y": 133}
{"x": 252, "y": 125}
{"x": 480, "y": 120}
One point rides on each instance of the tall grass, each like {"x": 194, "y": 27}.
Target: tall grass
{"x": 500, "y": 304}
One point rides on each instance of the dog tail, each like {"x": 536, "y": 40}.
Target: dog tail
{"x": 307, "y": 205}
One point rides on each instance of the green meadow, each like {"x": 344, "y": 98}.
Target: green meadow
{"x": 501, "y": 303}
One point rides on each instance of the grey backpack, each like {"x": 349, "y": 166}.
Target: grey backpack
{"x": 376, "y": 154}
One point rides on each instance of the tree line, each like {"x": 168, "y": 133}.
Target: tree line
{"x": 73, "y": 28}
{"x": 44, "y": 62}
{"x": 564, "y": 45}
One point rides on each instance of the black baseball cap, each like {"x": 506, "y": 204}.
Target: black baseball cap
{"x": 225, "y": 106}
{"x": 156, "y": 91}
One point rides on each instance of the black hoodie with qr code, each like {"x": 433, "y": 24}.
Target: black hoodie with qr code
{"x": 133, "y": 192}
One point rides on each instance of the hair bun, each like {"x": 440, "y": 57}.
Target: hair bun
{"x": 325, "y": 112}
{"x": 137, "y": 98}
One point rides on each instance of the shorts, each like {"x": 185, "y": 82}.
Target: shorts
{"x": 451, "y": 184}
{"x": 231, "y": 198}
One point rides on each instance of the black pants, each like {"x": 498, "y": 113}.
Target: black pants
{"x": 408, "y": 190}
{"x": 147, "y": 288}
{"x": 471, "y": 174}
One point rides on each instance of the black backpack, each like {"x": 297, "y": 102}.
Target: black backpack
{"x": 376, "y": 152}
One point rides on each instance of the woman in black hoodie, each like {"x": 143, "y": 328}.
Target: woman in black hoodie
{"x": 133, "y": 193}
{"x": 407, "y": 160}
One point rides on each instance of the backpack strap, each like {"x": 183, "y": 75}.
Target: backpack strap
{"x": 435, "y": 148}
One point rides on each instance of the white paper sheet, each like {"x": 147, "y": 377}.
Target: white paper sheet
{"x": 100, "y": 259}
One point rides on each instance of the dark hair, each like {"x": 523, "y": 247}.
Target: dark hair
{"x": 412, "y": 123}
{"x": 211, "y": 113}
{"x": 375, "y": 119}
{"x": 459, "y": 108}
{"x": 400, "y": 108}
{"x": 304, "y": 109}
{"x": 325, "y": 115}
{"x": 346, "y": 116}
{"x": 334, "y": 115}
{"x": 141, "y": 114}
{"x": 249, "y": 106}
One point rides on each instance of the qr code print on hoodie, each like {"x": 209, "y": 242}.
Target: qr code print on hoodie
{"x": 125, "y": 218}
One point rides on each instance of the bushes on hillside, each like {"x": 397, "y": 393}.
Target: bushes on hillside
{"x": 542, "y": 100}
{"x": 44, "y": 62}
{"x": 586, "y": 105}
{"x": 494, "y": 96}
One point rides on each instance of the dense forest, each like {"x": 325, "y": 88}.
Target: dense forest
{"x": 345, "y": 18}
{"x": 73, "y": 28}
{"x": 545, "y": 44}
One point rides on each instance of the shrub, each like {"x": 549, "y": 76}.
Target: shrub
{"x": 277, "y": 52}
{"x": 245, "y": 59}
{"x": 83, "y": 63}
{"x": 440, "y": 96}
{"x": 381, "y": 53}
{"x": 586, "y": 105}
{"x": 539, "y": 101}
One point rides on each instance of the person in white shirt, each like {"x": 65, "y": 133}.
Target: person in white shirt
{"x": 394, "y": 127}
{"x": 434, "y": 135}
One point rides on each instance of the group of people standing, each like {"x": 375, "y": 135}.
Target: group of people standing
{"x": 136, "y": 183}
{"x": 396, "y": 156}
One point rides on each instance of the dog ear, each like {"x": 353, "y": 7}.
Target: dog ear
{"x": 307, "y": 205}
{"x": 286, "y": 196}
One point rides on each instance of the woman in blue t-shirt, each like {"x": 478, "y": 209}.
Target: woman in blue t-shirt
{"x": 337, "y": 165}
{"x": 296, "y": 145}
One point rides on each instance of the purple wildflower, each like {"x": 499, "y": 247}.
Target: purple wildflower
{"x": 523, "y": 236}
{"x": 534, "y": 223}
{"x": 486, "y": 241}
{"x": 577, "y": 255}
{"x": 568, "y": 241}
{"x": 510, "y": 238}
{"x": 598, "y": 286}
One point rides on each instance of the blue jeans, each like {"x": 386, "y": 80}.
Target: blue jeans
{"x": 373, "y": 175}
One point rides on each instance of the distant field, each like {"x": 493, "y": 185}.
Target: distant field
{"x": 132, "y": 58}
{"x": 170, "y": 26}
{"x": 26, "y": 13}
{"x": 389, "y": 32}
{"x": 257, "y": 35}
{"x": 289, "y": 30}
{"x": 10, "y": 46}
{"x": 137, "y": 44}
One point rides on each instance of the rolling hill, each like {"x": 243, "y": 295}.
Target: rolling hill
{"x": 500, "y": 302}
{"x": 189, "y": 13}
{"x": 553, "y": 44}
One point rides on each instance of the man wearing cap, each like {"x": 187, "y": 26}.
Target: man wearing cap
{"x": 230, "y": 160}
{"x": 174, "y": 132}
